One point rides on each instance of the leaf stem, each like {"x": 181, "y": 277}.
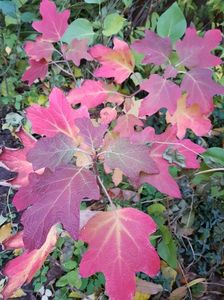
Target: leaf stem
{"x": 210, "y": 170}
{"x": 105, "y": 192}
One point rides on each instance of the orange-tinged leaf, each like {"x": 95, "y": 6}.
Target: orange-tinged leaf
{"x": 117, "y": 62}
{"x": 16, "y": 160}
{"x": 189, "y": 117}
{"x": 22, "y": 269}
{"x": 119, "y": 247}
{"x": 117, "y": 176}
{"x": 58, "y": 117}
{"x": 5, "y": 232}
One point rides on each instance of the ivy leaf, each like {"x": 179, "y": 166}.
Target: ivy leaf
{"x": 117, "y": 62}
{"x": 15, "y": 159}
{"x": 162, "y": 93}
{"x": 172, "y": 23}
{"x": 76, "y": 51}
{"x": 122, "y": 235}
{"x": 22, "y": 269}
{"x": 58, "y": 200}
{"x": 200, "y": 88}
{"x": 93, "y": 136}
{"x": 39, "y": 49}
{"x": 53, "y": 23}
{"x": 58, "y": 117}
{"x": 189, "y": 117}
{"x": 92, "y": 93}
{"x": 50, "y": 152}
{"x": 156, "y": 49}
{"x": 130, "y": 158}
{"x": 113, "y": 23}
{"x": 37, "y": 69}
{"x": 195, "y": 51}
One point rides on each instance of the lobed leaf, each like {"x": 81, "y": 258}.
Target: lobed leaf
{"x": 119, "y": 247}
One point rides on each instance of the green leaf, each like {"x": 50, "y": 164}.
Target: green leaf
{"x": 113, "y": 23}
{"x": 127, "y": 3}
{"x": 168, "y": 252}
{"x": 27, "y": 17}
{"x": 8, "y": 8}
{"x": 214, "y": 157}
{"x": 74, "y": 279}
{"x": 156, "y": 209}
{"x": 172, "y": 23}
{"x": 94, "y": 1}
{"x": 79, "y": 29}
{"x": 69, "y": 265}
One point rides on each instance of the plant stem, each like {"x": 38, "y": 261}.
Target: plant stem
{"x": 106, "y": 193}
{"x": 211, "y": 170}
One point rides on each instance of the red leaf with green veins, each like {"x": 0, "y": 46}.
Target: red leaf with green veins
{"x": 58, "y": 117}
{"x": 37, "y": 69}
{"x": 92, "y": 93}
{"x": 155, "y": 48}
{"x": 15, "y": 159}
{"x": 119, "y": 247}
{"x": 77, "y": 50}
{"x": 200, "y": 88}
{"x": 195, "y": 51}
{"x": 130, "y": 158}
{"x": 53, "y": 23}
{"x": 163, "y": 181}
{"x": 39, "y": 49}
{"x": 162, "y": 93}
{"x": 93, "y": 136}
{"x": 50, "y": 152}
{"x": 22, "y": 269}
{"x": 117, "y": 62}
{"x": 59, "y": 195}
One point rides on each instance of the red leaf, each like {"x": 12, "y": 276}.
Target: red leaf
{"x": 130, "y": 158}
{"x": 155, "y": 48}
{"x": 58, "y": 201}
{"x": 163, "y": 181}
{"x": 107, "y": 115}
{"x": 25, "y": 196}
{"x": 93, "y": 136}
{"x": 39, "y": 49}
{"x": 77, "y": 50}
{"x": 15, "y": 159}
{"x": 117, "y": 62}
{"x": 195, "y": 51}
{"x": 162, "y": 93}
{"x": 189, "y": 117}
{"x": 119, "y": 247}
{"x": 22, "y": 269}
{"x": 92, "y": 93}
{"x": 58, "y": 117}
{"x": 15, "y": 241}
{"x": 37, "y": 69}
{"x": 125, "y": 125}
{"x": 53, "y": 24}
{"x": 170, "y": 72}
{"x": 50, "y": 152}
{"x": 200, "y": 88}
